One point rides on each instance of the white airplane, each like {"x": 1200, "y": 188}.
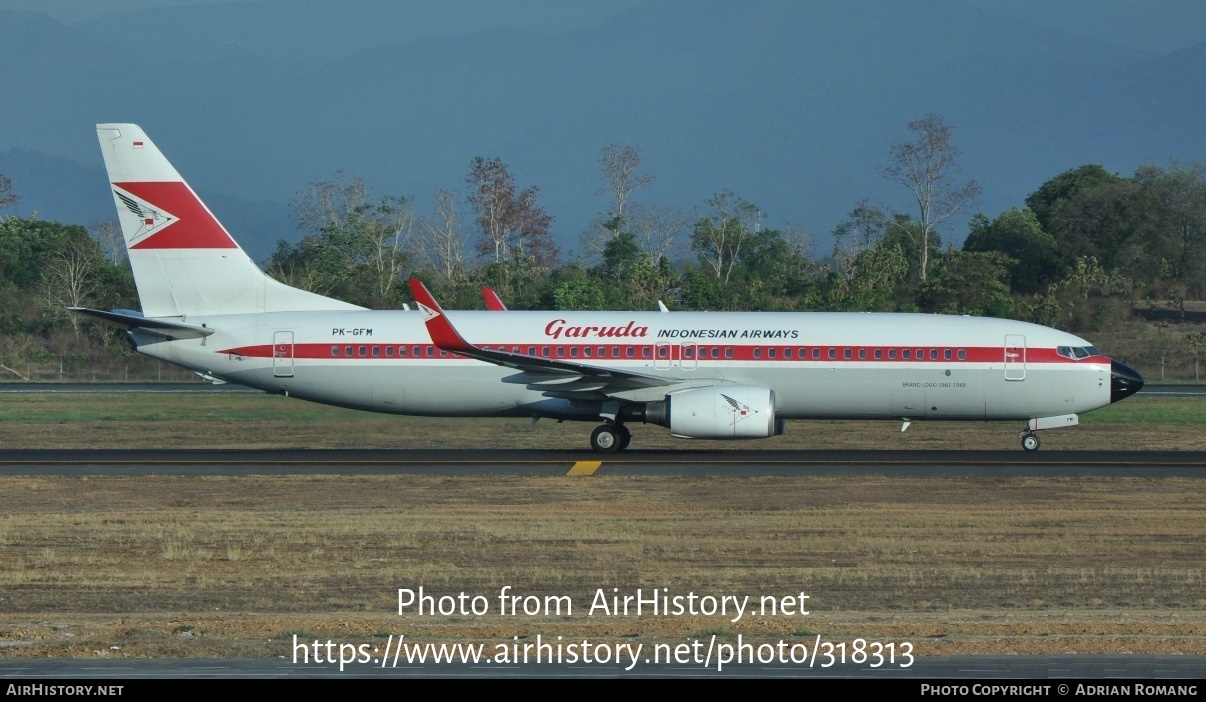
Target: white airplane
{"x": 206, "y": 306}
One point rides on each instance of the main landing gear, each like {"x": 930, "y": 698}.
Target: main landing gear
{"x": 610, "y": 438}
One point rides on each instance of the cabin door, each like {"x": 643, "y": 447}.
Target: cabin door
{"x": 1015, "y": 357}
{"x": 282, "y": 354}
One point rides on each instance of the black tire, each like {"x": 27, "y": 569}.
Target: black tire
{"x": 1030, "y": 442}
{"x": 604, "y": 439}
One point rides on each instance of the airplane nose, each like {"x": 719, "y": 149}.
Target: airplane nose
{"x": 1124, "y": 381}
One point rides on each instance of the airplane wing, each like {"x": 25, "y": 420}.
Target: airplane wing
{"x": 447, "y": 338}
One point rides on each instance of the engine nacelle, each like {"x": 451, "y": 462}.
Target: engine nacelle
{"x": 723, "y": 412}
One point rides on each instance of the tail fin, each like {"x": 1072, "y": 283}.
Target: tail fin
{"x": 184, "y": 260}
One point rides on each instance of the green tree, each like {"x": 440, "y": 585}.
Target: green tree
{"x": 1035, "y": 261}
{"x": 357, "y": 247}
{"x": 871, "y": 279}
{"x": 578, "y": 293}
{"x": 621, "y": 255}
{"x": 862, "y": 229}
{"x": 1048, "y": 201}
{"x": 1177, "y": 196}
{"x": 965, "y": 282}
{"x": 1107, "y": 223}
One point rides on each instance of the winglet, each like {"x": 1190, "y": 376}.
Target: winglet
{"x": 493, "y": 302}
{"x": 442, "y": 333}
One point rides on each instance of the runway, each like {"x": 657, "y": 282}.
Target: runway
{"x": 133, "y": 462}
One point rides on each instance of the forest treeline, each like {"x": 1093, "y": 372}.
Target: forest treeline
{"x": 1083, "y": 252}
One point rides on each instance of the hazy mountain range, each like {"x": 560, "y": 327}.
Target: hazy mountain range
{"x": 789, "y": 104}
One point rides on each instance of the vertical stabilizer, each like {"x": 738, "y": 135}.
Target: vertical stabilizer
{"x": 184, "y": 260}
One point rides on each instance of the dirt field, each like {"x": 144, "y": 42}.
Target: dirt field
{"x": 115, "y": 566}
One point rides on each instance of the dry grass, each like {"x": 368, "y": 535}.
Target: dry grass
{"x": 953, "y": 565}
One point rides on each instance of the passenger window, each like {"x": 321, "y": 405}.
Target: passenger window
{"x": 389, "y": 350}
{"x": 376, "y": 350}
{"x": 574, "y": 351}
{"x": 879, "y": 353}
{"x": 862, "y": 354}
{"x": 816, "y": 354}
{"x": 587, "y": 351}
{"x": 946, "y": 354}
{"x": 544, "y": 351}
{"x": 786, "y": 353}
{"x": 347, "y": 351}
{"x": 728, "y": 352}
{"x": 962, "y": 355}
{"x": 661, "y": 351}
{"x": 757, "y": 353}
{"x": 688, "y": 352}
{"x": 892, "y": 354}
{"x": 334, "y": 350}
{"x": 630, "y": 352}
{"x": 531, "y": 350}
{"x": 430, "y": 351}
{"x": 401, "y": 350}
{"x": 906, "y": 354}
{"x": 846, "y": 354}
{"x": 363, "y": 351}
{"x": 560, "y": 352}
{"x": 832, "y": 354}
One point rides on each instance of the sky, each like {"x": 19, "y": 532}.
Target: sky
{"x": 800, "y": 125}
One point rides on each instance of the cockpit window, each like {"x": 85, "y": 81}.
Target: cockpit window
{"x": 1077, "y": 352}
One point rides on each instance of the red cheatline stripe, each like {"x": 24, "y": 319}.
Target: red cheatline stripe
{"x": 602, "y": 353}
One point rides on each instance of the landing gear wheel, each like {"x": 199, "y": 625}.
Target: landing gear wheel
{"x": 605, "y": 439}
{"x": 1030, "y": 442}
{"x": 624, "y": 435}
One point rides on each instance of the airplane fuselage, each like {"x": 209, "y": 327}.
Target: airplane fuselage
{"x": 820, "y": 365}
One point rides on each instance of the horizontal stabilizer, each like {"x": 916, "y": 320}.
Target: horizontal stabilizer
{"x": 131, "y": 320}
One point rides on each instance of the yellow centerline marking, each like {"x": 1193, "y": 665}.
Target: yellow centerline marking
{"x": 585, "y": 468}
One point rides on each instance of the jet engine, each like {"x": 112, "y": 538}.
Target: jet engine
{"x": 718, "y": 412}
